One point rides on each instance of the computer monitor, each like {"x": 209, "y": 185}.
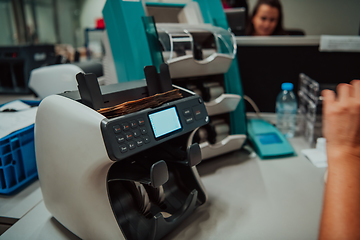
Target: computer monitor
{"x": 236, "y": 18}
{"x": 265, "y": 63}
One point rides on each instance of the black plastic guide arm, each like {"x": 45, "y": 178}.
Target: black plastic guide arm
{"x": 194, "y": 155}
{"x": 92, "y": 97}
{"x": 154, "y": 176}
{"x": 160, "y": 225}
{"x": 191, "y": 157}
{"x": 165, "y": 79}
{"x": 158, "y": 174}
{"x": 152, "y": 80}
{"x": 158, "y": 82}
{"x": 89, "y": 90}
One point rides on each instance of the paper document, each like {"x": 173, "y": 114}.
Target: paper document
{"x": 339, "y": 43}
{"x": 15, "y": 105}
{"x": 11, "y": 121}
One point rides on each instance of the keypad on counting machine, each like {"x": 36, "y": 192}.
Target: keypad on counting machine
{"x": 131, "y": 135}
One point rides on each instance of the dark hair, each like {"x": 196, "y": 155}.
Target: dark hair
{"x": 272, "y": 3}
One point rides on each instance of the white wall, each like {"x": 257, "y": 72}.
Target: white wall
{"x": 68, "y": 21}
{"x": 6, "y": 19}
{"x": 45, "y": 21}
{"x": 90, "y": 11}
{"x": 316, "y": 17}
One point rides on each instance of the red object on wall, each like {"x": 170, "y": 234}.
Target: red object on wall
{"x": 100, "y": 24}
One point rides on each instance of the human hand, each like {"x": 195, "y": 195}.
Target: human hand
{"x": 341, "y": 120}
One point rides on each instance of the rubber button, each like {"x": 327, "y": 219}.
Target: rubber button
{"x": 141, "y": 121}
{"x": 187, "y": 112}
{"x": 123, "y": 148}
{"x": 132, "y": 145}
{"x": 139, "y": 142}
{"x": 189, "y": 120}
{"x": 125, "y": 126}
{"x": 143, "y": 131}
{"x": 134, "y": 124}
{"x": 136, "y": 133}
{"x": 146, "y": 139}
{"x": 117, "y": 129}
{"x": 129, "y": 136}
{"x": 198, "y": 112}
{"x": 120, "y": 138}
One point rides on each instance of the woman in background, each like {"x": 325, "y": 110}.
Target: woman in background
{"x": 266, "y": 19}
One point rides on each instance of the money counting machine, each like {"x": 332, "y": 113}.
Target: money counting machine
{"x": 193, "y": 39}
{"x": 127, "y": 177}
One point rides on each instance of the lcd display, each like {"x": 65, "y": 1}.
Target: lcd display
{"x": 164, "y": 122}
{"x": 268, "y": 138}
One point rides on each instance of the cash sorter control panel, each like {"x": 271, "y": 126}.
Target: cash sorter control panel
{"x": 132, "y": 133}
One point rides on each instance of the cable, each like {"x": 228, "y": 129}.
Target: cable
{"x": 252, "y": 103}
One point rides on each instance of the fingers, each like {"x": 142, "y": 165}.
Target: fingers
{"x": 329, "y": 96}
{"x": 344, "y": 92}
{"x": 356, "y": 86}
{"x": 328, "y": 101}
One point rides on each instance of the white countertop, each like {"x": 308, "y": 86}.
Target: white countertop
{"x": 17, "y": 205}
{"x": 258, "y": 199}
{"x": 248, "y": 198}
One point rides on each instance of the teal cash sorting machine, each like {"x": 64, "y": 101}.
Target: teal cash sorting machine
{"x": 195, "y": 41}
{"x": 134, "y": 176}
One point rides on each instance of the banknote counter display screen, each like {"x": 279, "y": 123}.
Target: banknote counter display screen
{"x": 165, "y": 122}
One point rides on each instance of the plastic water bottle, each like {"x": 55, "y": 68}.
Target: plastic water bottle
{"x": 286, "y": 108}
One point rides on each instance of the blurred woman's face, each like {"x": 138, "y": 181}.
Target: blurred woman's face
{"x": 265, "y": 20}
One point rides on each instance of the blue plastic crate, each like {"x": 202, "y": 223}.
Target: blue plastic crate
{"x": 17, "y": 158}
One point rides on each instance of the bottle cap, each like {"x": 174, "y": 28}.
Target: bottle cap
{"x": 287, "y": 86}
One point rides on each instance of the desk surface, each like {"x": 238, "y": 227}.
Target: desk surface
{"x": 247, "y": 198}
{"x": 255, "y": 199}
{"x": 16, "y": 206}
